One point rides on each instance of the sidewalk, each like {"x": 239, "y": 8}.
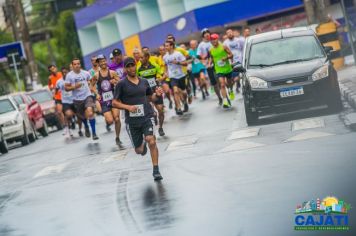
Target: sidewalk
{"x": 347, "y": 81}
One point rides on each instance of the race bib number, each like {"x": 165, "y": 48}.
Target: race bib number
{"x": 140, "y": 112}
{"x": 196, "y": 61}
{"x": 221, "y": 63}
{"x": 108, "y": 96}
{"x": 152, "y": 82}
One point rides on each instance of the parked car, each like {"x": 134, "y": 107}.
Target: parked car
{"x": 34, "y": 112}
{"x": 287, "y": 70}
{"x": 14, "y": 122}
{"x": 3, "y": 143}
{"x": 48, "y": 106}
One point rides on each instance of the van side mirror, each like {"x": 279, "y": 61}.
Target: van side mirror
{"x": 328, "y": 50}
{"x": 238, "y": 68}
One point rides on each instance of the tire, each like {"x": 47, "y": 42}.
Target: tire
{"x": 44, "y": 130}
{"x": 251, "y": 117}
{"x": 3, "y": 147}
{"x": 334, "y": 100}
{"x": 25, "y": 139}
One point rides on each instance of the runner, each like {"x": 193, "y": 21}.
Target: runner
{"x": 236, "y": 47}
{"x": 106, "y": 80}
{"x": 174, "y": 61}
{"x": 52, "y": 81}
{"x": 118, "y": 64}
{"x": 136, "y": 55}
{"x": 220, "y": 55}
{"x": 77, "y": 81}
{"x": 165, "y": 81}
{"x": 95, "y": 68}
{"x": 149, "y": 71}
{"x": 204, "y": 55}
{"x": 134, "y": 95}
{"x": 198, "y": 69}
{"x": 67, "y": 102}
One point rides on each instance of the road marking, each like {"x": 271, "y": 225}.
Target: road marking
{"x": 244, "y": 133}
{"x": 118, "y": 156}
{"x": 308, "y": 135}
{"x": 186, "y": 143}
{"x": 241, "y": 145}
{"x": 57, "y": 169}
{"x": 308, "y": 124}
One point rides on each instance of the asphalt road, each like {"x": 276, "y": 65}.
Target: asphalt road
{"x": 220, "y": 178}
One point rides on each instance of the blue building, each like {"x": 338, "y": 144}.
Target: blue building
{"x": 126, "y": 24}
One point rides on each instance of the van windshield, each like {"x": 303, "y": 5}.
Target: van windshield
{"x": 283, "y": 51}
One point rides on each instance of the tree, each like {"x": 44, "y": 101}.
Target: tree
{"x": 7, "y": 79}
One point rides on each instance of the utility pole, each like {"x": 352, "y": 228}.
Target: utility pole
{"x": 20, "y": 30}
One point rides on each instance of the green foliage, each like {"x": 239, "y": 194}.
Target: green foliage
{"x": 7, "y": 78}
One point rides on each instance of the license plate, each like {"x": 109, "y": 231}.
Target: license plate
{"x": 290, "y": 92}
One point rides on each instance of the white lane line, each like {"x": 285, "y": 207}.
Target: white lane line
{"x": 307, "y": 135}
{"x": 244, "y": 133}
{"x": 241, "y": 145}
{"x": 57, "y": 169}
{"x": 186, "y": 143}
{"x": 308, "y": 124}
{"x": 117, "y": 156}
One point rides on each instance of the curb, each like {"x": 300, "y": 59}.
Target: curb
{"x": 349, "y": 95}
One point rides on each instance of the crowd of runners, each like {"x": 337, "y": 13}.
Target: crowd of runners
{"x": 138, "y": 85}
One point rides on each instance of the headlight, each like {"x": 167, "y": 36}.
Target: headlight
{"x": 9, "y": 123}
{"x": 257, "y": 83}
{"x": 321, "y": 73}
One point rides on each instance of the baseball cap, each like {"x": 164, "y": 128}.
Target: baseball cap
{"x": 128, "y": 61}
{"x": 99, "y": 57}
{"x": 116, "y": 52}
{"x": 203, "y": 31}
{"x": 214, "y": 36}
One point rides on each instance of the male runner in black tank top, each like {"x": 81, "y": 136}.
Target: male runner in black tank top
{"x": 106, "y": 80}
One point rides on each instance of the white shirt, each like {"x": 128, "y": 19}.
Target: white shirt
{"x": 174, "y": 71}
{"x": 82, "y": 77}
{"x": 236, "y": 47}
{"x": 204, "y": 48}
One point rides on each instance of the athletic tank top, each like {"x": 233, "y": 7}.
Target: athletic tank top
{"x": 105, "y": 89}
{"x": 218, "y": 53}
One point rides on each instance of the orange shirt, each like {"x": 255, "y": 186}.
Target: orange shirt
{"x": 52, "y": 84}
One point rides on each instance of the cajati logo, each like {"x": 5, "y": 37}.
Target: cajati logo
{"x": 327, "y": 214}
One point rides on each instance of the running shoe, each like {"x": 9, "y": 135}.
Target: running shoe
{"x": 207, "y": 93}
{"x": 170, "y": 105}
{"x": 203, "y": 94}
{"x": 179, "y": 112}
{"x": 220, "y": 101}
{"x": 95, "y": 137}
{"x": 186, "y": 107}
{"x": 226, "y": 104}
{"x": 87, "y": 132}
{"x": 80, "y": 133}
{"x": 144, "y": 149}
{"x": 161, "y": 132}
{"x": 232, "y": 95}
{"x": 119, "y": 143}
{"x": 157, "y": 176}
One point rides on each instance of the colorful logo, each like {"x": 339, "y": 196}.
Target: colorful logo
{"x": 327, "y": 214}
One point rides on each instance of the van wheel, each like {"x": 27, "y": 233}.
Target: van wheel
{"x": 3, "y": 147}
{"x": 251, "y": 117}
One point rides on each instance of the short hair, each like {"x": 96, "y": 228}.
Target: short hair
{"x": 64, "y": 68}
{"x": 50, "y": 66}
{"x": 247, "y": 28}
{"x": 145, "y": 47}
{"x": 170, "y": 36}
{"x": 75, "y": 59}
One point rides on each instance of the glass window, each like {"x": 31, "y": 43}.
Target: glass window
{"x": 283, "y": 50}
{"x": 18, "y": 99}
{"x": 6, "y": 106}
{"x": 41, "y": 96}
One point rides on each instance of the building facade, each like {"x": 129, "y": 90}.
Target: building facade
{"x": 127, "y": 24}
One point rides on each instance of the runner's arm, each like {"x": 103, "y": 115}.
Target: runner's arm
{"x": 229, "y": 53}
{"x": 115, "y": 77}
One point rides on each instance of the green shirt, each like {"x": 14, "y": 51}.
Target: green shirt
{"x": 149, "y": 73}
{"x": 218, "y": 53}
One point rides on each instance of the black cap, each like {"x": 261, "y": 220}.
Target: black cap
{"x": 116, "y": 52}
{"x": 99, "y": 57}
{"x": 128, "y": 61}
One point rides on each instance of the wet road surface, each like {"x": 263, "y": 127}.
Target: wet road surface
{"x": 220, "y": 177}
